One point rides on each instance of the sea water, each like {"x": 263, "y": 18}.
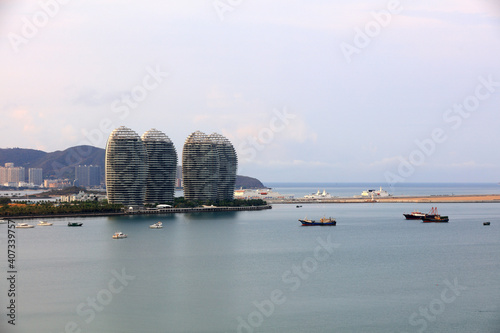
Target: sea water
{"x": 261, "y": 272}
{"x": 399, "y": 189}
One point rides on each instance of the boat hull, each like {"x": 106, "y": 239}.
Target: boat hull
{"x": 436, "y": 219}
{"x": 75, "y": 224}
{"x": 311, "y": 223}
{"x": 412, "y": 217}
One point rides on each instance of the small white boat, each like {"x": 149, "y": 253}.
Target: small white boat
{"x": 44, "y": 223}
{"x": 119, "y": 235}
{"x": 157, "y": 225}
{"x": 24, "y": 225}
{"x": 2, "y": 221}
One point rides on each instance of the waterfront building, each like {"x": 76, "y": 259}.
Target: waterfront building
{"x": 82, "y": 196}
{"x": 11, "y": 174}
{"x": 200, "y": 167}
{"x": 3, "y": 175}
{"x": 16, "y": 175}
{"x": 57, "y": 183}
{"x": 35, "y": 176}
{"x": 263, "y": 194}
{"x": 228, "y": 163}
{"x": 162, "y": 165}
{"x": 178, "y": 177}
{"x": 87, "y": 175}
{"x": 126, "y": 168}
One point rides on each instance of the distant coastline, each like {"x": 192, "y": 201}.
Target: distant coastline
{"x": 461, "y": 198}
{"x": 144, "y": 212}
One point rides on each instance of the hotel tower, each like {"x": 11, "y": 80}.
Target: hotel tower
{"x": 228, "y": 163}
{"x": 162, "y": 167}
{"x": 126, "y": 168}
{"x": 200, "y": 168}
{"x": 209, "y": 167}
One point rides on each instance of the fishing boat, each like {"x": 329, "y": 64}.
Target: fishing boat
{"x": 415, "y": 215}
{"x": 42, "y": 223}
{"x": 433, "y": 216}
{"x": 322, "y": 221}
{"x": 119, "y": 235}
{"x": 157, "y": 225}
{"x": 75, "y": 224}
{"x": 24, "y": 225}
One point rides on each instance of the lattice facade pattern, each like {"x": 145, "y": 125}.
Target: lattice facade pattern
{"x": 200, "y": 168}
{"x": 228, "y": 163}
{"x": 126, "y": 168}
{"x": 162, "y": 167}
{"x": 209, "y": 167}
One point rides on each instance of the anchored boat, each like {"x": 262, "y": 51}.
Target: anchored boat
{"x": 433, "y": 216}
{"x": 24, "y": 225}
{"x": 75, "y": 224}
{"x": 322, "y": 221}
{"x": 415, "y": 215}
{"x": 119, "y": 235}
{"x": 157, "y": 225}
{"x": 42, "y": 223}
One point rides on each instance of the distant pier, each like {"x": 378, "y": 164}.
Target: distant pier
{"x": 480, "y": 198}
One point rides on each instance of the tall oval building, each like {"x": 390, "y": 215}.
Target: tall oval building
{"x": 125, "y": 168}
{"x": 200, "y": 168}
{"x": 228, "y": 164}
{"x": 162, "y": 167}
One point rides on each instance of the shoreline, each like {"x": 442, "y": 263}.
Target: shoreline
{"x": 143, "y": 212}
{"x": 461, "y": 198}
{"x": 471, "y": 198}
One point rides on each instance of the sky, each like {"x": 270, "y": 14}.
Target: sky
{"x": 307, "y": 91}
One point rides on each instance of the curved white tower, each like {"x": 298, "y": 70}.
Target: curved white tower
{"x": 228, "y": 164}
{"x": 126, "y": 168}
{"x": 162, "y": 167}
{"x": 200, "y": 168}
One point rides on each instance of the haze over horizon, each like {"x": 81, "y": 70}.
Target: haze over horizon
{"x": 351, "y": 91}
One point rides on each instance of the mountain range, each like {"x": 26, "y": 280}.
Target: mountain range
{"x": 61, "y": 163}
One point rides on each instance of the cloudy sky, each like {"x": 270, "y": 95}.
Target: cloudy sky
{"x": 317, "y": 91}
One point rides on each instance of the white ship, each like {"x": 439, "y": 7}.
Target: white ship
{"x": 375, "y": 193}
{"x": 264, "y": 194}
{"x": 319, "y": 195}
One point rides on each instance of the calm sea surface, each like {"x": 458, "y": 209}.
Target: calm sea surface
{"x": 261, "y": 272}
{"x": 352, "y": 189}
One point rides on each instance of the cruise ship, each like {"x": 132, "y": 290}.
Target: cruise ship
{"x": 319, "y": 195}
{"x": 375, "y": 193}
{"x": 264, "y": 194}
